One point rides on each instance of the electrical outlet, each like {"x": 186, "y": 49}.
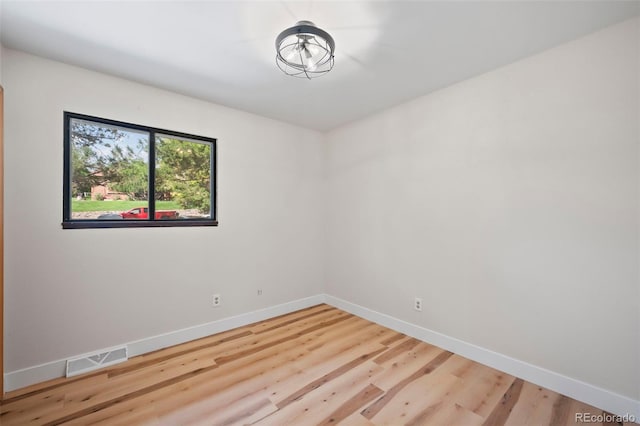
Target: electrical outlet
{"x": 417, "y": 304}
{"x": 216, "y": 300}
{"x": 259, "y": 292}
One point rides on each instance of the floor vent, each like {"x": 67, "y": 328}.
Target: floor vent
{"x": 96, "y": 360}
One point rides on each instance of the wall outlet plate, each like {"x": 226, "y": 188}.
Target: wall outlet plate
{"x": 417, "y": 304}
{"x": 216, "y": 300}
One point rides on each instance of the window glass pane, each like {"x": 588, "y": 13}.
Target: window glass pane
{"x": 109, "y": 171}
{"x": 183, "y": 178}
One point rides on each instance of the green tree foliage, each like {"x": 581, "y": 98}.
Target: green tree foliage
{"x": 99, "y": 156}
{"x": 84, "y": 176}
{"x": 127, "y": 172}
{"x": 86, "y": 134}
{"x": 87, "y": 168}
{"x": 183, "y": 173}
{"x": 103, "y": 155}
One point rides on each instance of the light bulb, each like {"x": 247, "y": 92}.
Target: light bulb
{"x": 312, "y": 49}
{"x": 292, "y": 54}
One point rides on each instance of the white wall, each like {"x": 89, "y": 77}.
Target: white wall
{"x": 71, "y": 291}
{"x": 510, "y": 204}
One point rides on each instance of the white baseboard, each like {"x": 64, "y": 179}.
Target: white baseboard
{"x": 55, "y": 369}
{"x": 151, "y": 344}
{"x": 592, "y": 395}
{"x": 598, "y": 397}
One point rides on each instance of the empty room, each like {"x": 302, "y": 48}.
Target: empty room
{"x": 320, "y": 212}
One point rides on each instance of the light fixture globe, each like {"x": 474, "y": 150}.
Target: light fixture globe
{"x": 305, "y": 51}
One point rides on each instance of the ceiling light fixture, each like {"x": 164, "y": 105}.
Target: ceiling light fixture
{"x": 305, "y": 51}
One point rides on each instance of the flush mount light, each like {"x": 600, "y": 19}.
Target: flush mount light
{"x": 305, "y": 51}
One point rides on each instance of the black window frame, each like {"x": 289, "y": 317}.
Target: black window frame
{"x": 150, "y": 222}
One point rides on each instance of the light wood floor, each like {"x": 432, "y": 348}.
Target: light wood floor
{"x": 313, "y": 367}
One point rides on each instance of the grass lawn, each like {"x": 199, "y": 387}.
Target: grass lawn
{"x": 110, "y": 206}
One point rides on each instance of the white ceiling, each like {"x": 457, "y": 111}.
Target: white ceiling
{"x": 387, "y": 52}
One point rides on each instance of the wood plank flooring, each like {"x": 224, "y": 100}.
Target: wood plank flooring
{"x": 317, "y": 366}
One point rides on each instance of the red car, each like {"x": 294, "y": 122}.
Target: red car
{"x": 143, "y": 213}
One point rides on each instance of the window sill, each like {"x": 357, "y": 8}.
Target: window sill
{"x": 87, "y": 224}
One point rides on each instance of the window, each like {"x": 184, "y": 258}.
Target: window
{"x": 119, "y": 175}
